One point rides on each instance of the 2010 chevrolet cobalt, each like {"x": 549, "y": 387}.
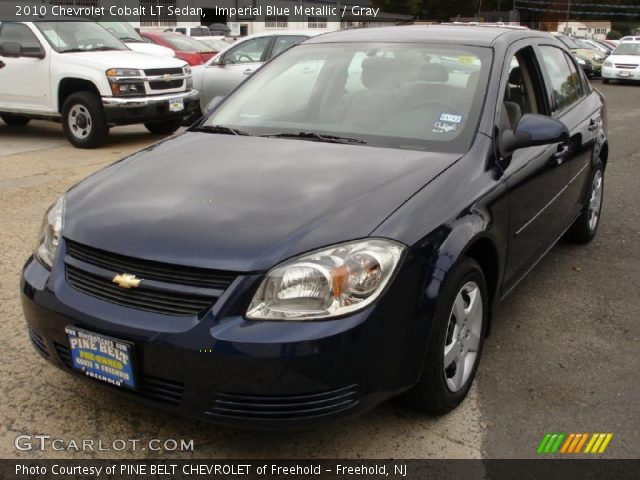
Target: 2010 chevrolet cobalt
{"x": 333, "y": 233}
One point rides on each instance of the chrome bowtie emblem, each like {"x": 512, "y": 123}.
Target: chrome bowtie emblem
{"x": 127, "y": 280}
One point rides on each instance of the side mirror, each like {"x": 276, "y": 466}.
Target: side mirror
{"x": 214, "y": 103}
{"x": 10, "y": 49}
{"x": 533, "y": 130}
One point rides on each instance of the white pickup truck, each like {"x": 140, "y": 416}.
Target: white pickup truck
{"x": 79, "y": 74}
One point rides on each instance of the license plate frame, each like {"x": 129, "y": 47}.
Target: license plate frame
{"x": 176, "y": 105}
{"x": 103, "y": 358}
{"x": 624, "y": 73}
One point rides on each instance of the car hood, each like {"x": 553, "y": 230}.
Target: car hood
{"x": 624, "y": 59}
{"x": 243, "y": 203}
{"x": 122, "y": 59}
{"x": 151, "y": 49}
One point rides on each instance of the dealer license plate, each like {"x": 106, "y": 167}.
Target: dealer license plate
{"x": 624, "y": 74}
{"x": 103, "y": 358}
{"x": 176, "y": 105}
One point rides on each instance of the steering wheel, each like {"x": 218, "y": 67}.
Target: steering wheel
{"x": 240, "y": 57}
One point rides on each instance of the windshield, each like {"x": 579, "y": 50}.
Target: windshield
{"x": 627, "y": 49}
{"x": 569, "y": 43}
{"x": 67, "y": 37}
{"x": 215, "y": 44}
{"x": 398, "y": 95}
{"x": 200, "y": 32}
{"x": 122, "y": 30}
{"x": 182, "y": 43}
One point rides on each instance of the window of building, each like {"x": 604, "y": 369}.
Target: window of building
{"x": 276, "y": 21}
{"x": 317, "y": 22}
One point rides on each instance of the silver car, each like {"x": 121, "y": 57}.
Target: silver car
{"x": 231, "y": 66}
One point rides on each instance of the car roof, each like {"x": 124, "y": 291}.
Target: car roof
{"x": 479, "y": 35}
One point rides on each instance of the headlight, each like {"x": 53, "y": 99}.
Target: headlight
{"x": 187, "y": 70}
{"x": 581, "y": 61}
{"x": 327, "y": 283}
{"x": 595, "y": 57}
{"x": 608, "y": 64}
{"x": 50, "y": 233}
{"x": 123, "y": 72}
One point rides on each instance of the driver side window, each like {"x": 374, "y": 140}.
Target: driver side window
{"x": 18, "y": 33}
{"x": 249, "y": 51}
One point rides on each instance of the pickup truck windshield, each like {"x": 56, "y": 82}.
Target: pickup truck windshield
{"x": 68, "y": 37}
{"x": 396, "y": 95}
{"x": 123, "y": 31}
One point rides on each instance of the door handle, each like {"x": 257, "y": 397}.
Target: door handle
{"x": 248, "y": 71}
{"x": 593, "y": 125}
{"x": 562, "y": 152}
{"x": 2, "y": 64}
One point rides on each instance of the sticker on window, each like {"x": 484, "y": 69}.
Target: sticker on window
{"x": 450, "y": 118}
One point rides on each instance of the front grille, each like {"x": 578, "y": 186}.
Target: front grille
{"x": 163, "y": 71}
{"x": 154, "y": 388}
{"x": 150, "y": 270}
{"x": 287, "y": 407}
{"x": 39, "y": 343}
{"x": 162, "y": 85}
{"x": 141, "y": 298}
{"x": 629, "y": 66}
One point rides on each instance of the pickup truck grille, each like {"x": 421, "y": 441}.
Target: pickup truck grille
{"x": 162, "y": 85}
{"x": 163, "y": 71}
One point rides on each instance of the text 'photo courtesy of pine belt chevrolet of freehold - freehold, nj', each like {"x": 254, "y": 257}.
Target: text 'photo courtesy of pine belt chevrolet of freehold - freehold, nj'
{"x": 342, "y": 239}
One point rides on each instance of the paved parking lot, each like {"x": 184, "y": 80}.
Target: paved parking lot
{"x": 563, "y": 354}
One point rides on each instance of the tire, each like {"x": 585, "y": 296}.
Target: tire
{"x": 84, "y": 121}
{"x": 605, "y": 80}
{"x": 439, "y": 390}
{"x": 15, "y": 120}
{"x": 165, "y": 127}
{"x": 584, "y": 228}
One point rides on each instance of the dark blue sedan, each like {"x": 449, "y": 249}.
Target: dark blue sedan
{"x": 335, "y": 232}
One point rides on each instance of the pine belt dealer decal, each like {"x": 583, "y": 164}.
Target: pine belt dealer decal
{"x": 593, "y": 443}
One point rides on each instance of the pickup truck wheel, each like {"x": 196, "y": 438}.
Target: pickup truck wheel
{"x": 84, "y": 121}
{"x": 166, "y": 127}
{"x": 15, "y": 120}
{"x": 455, "y": 343}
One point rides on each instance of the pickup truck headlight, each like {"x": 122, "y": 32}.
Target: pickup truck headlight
{"x": 50, "y": 233}
{"x": 327, "y": 283}
{"x": 123, "y": 82}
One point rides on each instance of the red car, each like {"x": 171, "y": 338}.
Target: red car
{"x": 188, "y": 49}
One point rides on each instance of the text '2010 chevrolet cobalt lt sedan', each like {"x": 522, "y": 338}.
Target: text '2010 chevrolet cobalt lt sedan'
{"x": 333, "y": 233}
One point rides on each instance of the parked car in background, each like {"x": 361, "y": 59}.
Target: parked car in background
{"x": 336, "y": 232}
{"x": 589, "y": 59}
{"x": 132, "y": 39}
{"x": 604, "y": 49}
{"x": 623, "y": 63}
{"x": 185, "y": 48}
{"x": 78, "y": 73}
{"x": 231, "y": 66}
{"x": 630, "y": 38}
{"x": 191, "y": 31}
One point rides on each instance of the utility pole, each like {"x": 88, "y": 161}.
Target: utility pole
{"x": 566, "y": 25}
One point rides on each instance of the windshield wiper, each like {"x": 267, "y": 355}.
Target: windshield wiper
{"x": 131, "y": 40}
{"x": 318, "y": 137}
{"x": 219, "y": 129}
{"x": 96, "y": 49}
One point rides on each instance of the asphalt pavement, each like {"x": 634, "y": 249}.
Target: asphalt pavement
{"x": 562, "y": 356}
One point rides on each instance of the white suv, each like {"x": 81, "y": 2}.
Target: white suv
{"x": 78, "y": 73}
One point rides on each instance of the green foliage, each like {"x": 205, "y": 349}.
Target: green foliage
{"x": 614, "y": 35}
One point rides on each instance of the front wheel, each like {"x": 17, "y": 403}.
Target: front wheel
{"x": 586, "y": 225}
{"x": 84, "y": 121}
{"x": 165, "y": 127}
{"x": 455, "y": 344}
{"x": 15, "y": 120}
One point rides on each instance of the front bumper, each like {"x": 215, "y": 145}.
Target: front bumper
{"x": 614, "y": 73}
{"x": 226, "y": 370}
{"x": 129, "y": 110}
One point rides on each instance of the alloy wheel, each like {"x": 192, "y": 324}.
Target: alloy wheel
{"x": 595, "y": 201}
{"x": 462, "y": 341}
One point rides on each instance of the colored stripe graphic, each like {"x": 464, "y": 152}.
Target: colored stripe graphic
{"x": 572, "y": 443}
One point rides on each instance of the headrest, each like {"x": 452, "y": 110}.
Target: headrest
{"x": 377, "y": 70}
{"x": 515, "y": 77}
{"x": 434, "y": 72}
